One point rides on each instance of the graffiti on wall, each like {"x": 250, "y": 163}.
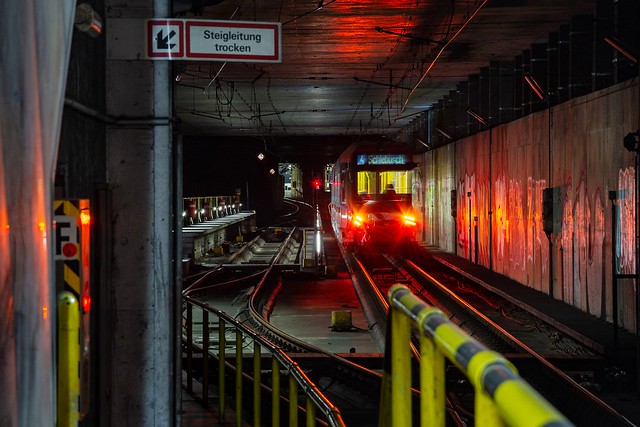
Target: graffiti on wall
{"x": 625, "y": 259}
{"x": 581, "y": 246}
{"x": 625, "y": 251}
{"x": 440, "y": 211}
{"x": 465, "y": 213}
{"x": 596, "y": 292}
{"x": 537, "y": 242}
{"x": 500, "y": 218}
{"x": 511, "y": 223}
{"x": 574, "y": 263}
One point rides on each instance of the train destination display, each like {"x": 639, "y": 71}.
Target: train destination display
{"x": 381, "y": 159}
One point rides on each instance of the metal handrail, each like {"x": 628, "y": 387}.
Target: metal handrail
{"x": 501, "y": 395}
{"x": 316, "y": 400}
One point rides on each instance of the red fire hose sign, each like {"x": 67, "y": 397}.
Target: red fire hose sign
{"x": 69, "y": 250}
{"x": 66, "y": 237}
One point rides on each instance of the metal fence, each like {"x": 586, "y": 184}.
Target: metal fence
{"x": 200, "y": 322}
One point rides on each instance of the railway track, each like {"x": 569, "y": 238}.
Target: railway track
{"x": 544, "y": 356}
{"x": 541, "y": 354}
{"x": 355, "y": 389}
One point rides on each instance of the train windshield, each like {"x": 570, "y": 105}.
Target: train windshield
{"x": 376, "y": 184}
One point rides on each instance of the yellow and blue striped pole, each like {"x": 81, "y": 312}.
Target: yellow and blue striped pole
{"x": 502, "y": 396}
{"x": 432, "y": 384}
{"x": 401, "y": 369}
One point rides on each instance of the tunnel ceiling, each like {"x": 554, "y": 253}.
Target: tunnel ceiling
{"x": 353, "y": 68}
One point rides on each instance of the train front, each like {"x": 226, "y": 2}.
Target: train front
{"x": 386, "y": 224}
{"x": 374, "y": 197}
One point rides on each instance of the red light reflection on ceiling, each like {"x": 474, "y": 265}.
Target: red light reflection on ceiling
{"x": 355, "y": 32}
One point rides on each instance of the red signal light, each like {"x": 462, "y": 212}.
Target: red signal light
{"x": 85, "y": 217}
{"x": 86, "y": 303}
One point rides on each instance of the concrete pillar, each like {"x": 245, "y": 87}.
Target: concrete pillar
{"x": 140, "y": 368}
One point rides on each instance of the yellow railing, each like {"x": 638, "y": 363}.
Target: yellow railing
{"x": 502, "y": 397}
{"x": 210, "y": 318}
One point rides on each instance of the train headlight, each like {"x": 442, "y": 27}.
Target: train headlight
{"x": 409, "y": 220}
{"x": 357, "y": 220}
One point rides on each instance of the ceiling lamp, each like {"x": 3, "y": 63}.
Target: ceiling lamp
{"x": 87, "y": 20}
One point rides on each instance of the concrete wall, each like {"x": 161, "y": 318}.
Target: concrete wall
{"x": 505, "y": 171}
{"x": 438, "y": 180}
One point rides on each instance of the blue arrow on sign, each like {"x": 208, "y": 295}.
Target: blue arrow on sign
{"x": 162, "y": 43}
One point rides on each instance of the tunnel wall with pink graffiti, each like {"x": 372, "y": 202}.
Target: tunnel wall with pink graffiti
{"x": 483, "y": 199}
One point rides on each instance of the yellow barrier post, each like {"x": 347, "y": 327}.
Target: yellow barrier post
{"x": 205, "y": 357}
{"x": 275, "y": 393}
{"x": 432, "y": 384}
{"x": 189, "y": 332}
{"x": 293, "y": 401}
{"x": 238, "y": 377}
{"x": 68, "y": 384}
{"x": 257, "y": 380}
{"x": 221, "y": 368}
{"x": 485, "y": 411}
{"x": 311, "y": 413}
{"x": 401, "y": 369}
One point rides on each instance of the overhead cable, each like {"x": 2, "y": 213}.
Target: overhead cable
{"x": 424, "y": 75}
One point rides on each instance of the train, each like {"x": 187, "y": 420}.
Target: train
{"x": 371, "y": 196}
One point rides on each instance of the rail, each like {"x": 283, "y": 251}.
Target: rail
{"x": 314, "y": 250}
{"x": 501, "y": 395}
{"x": 298, "y": 381}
